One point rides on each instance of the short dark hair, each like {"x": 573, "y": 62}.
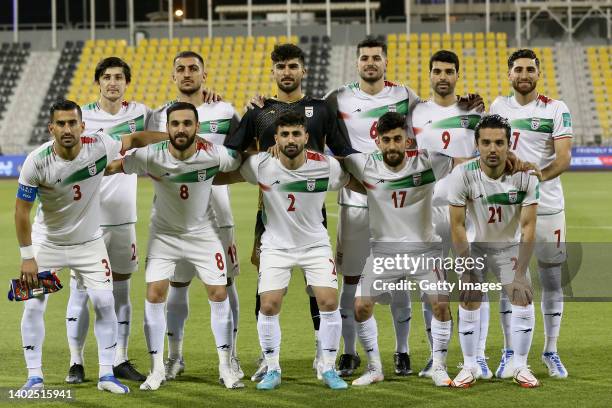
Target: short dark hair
{"x": 444, "y": 56}
{"x": 290, "y": 119}
{"x": 112, "y": 62}
{"x": 492, "y": 122}
{"x": 285, "y": 52}
{"x": 188, "y": 54}
{"x": 64, "y": 105}
{"x": 372, "y": 42}
{"x": 176, "y": 106}
{"x": 390, "y": 121}
{"x": 523, "y": 53}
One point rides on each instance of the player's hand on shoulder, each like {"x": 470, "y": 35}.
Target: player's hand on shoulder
{"x": 257, "y": 100}
{"x": 470, "y": 102}
{"x": 531, "y": 168}
{"x": 274, "y": 151}
{"x": 210, "y": 96}
{"x": 29, "y": 273}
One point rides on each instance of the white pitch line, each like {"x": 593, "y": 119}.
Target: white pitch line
{"x": 333, "y": 215}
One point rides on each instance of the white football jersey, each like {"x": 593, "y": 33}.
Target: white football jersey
{"x": 445, "y": 129}
{"x": 535, "y": 127}
{"x": 118, "y": 192}
{"x": 494, "y": 206}
{"x": 215, "y": 119}
{"x": 182, "y": 188}
{"x": 400, "y": 202}
{"x": 292, "y": 199}
{"x": 360, "y": 113}
{"x": 69, "y": 191}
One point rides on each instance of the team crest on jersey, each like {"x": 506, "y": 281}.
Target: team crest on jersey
{"x": 309, "y": 111}
{"x": 465, "y": 122}
{"x": 535, "y": 123}
{"x": 512, "y": 196}
{"x": 416, "y": 179}
{"x": 311, "y": 184}
{"x": 392, "y": 108}
{"x": 214, "y": 126}
{"x": 132, "y": 125}
{"x": 92, "y": 169}
{"x": 201, "y": 175}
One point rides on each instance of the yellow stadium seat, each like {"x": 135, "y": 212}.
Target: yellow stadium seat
{"x": 391, "y": 38}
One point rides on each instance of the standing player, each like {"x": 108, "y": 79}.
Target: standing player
{"x": 542, "y": 134}
{"x": 181, "y": 231}
{"x": 257, "y": 131}
{"x": 216, "y": 121}
{"x": 441, "y": 125}
{"x": 115, "y": 117}
{"x": 503, "y": 209}
{"x": 360, "y": 105}
{"x": 65, "y": 173}
{"x": 294, "y": 188}
{"x": 400, "y": 187}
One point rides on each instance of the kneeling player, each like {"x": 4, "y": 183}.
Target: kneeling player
{"x": 183, "y": 170}
{"x": 293, "y": 188}
{"x": 503, "y": 209}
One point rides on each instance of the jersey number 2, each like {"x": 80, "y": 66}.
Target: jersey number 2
{"x": 291, "y": 203}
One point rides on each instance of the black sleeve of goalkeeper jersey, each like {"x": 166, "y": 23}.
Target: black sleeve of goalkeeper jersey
{"x": 337, "y": 138}
{"x": 242, "y": 133}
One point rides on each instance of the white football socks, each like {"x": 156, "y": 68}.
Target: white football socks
{"x": 269, "y": 331}
{"x": 401, "y": 311}
{"x": 221, "y": 324}
{"x": 469, "y": 335}
{"x": 177, "y": 311}
{"x": 551, "y": 305}
{"x": 523, "y": 322}
{"x": 77, "y": 322}
{"x": 440, "y": 334}
{"x": 329, "y": 337}
{"x": 505, "y": 318}
{"x": 105, "y": 327}
{"x": 232, "y": 294}
{"x": 347, "y": 313}
{"x": 368, "y": 336}
{"x": 427, "y": 316}
{"x": 123, "y": 310}
{"x": 155, "y": 329}
{"x": 485, "y": 315}
{"x": 33, "y": 334}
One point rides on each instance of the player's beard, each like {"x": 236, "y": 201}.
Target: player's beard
{"x": 67, "y": 141}
{"x": 444, "y": 92}
{"x": 289, "y": 88}
{"x": 189, "y": 89}
{"x": 292, "y": 154}
{"x": 376, "y": 78}
{"x": 516, "y": 86}
{"x": 396, "y": 161}
{"x": 186, "y": 145}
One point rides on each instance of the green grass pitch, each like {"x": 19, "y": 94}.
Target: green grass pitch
{"x": 584, "y": 344}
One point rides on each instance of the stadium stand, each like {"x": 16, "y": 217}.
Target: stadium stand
{"x": 58, "y": 88}
{"x": 483, "y": 62}
{"x": 12, "y": 58}
{"x": 599, "y": 60}
{"x": 238, "y": 67}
